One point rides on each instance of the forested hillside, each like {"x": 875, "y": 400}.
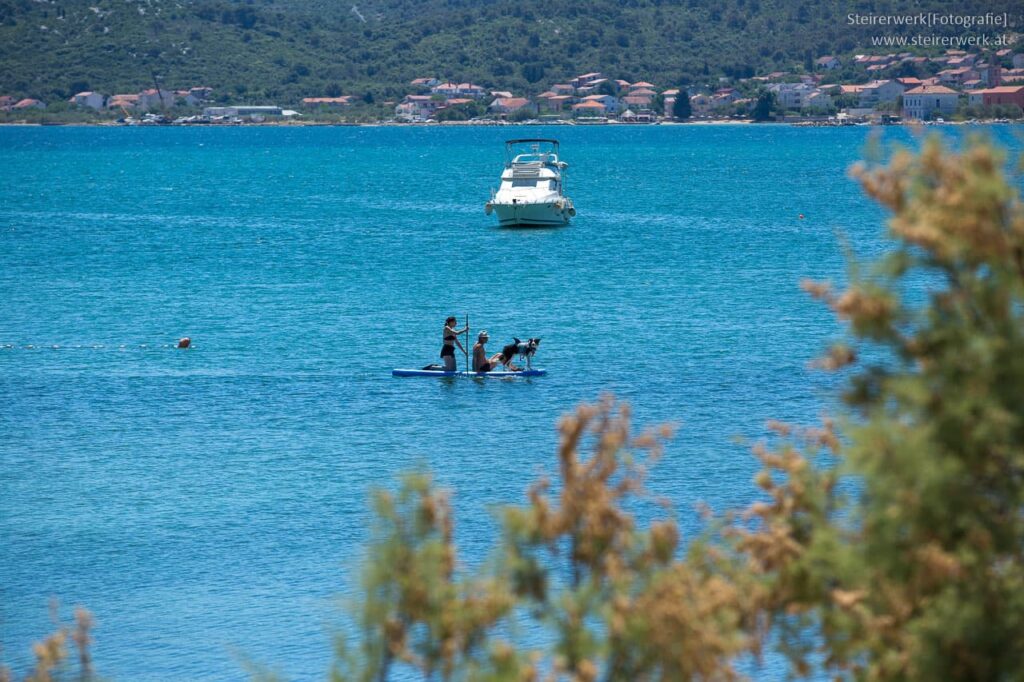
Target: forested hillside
{"x": 282, "y": 49}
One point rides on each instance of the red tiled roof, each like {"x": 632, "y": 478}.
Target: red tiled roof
{"x": 511, "y": 102}
{"x": 588, "y": 105}
{"x": 1001, "y": 89}
{"x": 931, "y": 90}
{"x": 346, "y": 99}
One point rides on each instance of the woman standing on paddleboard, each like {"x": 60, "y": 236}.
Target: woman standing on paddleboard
{"x": 451, "y": 339}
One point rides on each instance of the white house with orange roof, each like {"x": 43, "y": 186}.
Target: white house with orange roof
{"x": 556, "y": 104}
{"x": 926, "y": 101}
{"x": 418, "y": 107}
{"x": 879, "y": 92}
{"x": 637, "y": 101}
{"x": 590, "y": 108}
{"x": 93, "y": 100}
{"x": 585, "y": 79}
{"x": 670, "y": 99}
{"x": 503, "y": 106}
{"x": 335, "y": 102}
{"x": 700, "y": 104}
{"x": 610, "y": 103}
{"x": 459, "y": 90}
{"x": 957, "y": 76}
{"x": 123, "y": 102}
{"x": 29, "y": 103}
{"x": 828, "y": 62}
{"x": 817, "y": 99}
{"x": 155, "y": 99}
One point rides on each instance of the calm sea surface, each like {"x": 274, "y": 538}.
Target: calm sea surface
{"x": 209, "y": 505}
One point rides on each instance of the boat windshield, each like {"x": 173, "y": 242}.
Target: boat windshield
{"x": 542, "y": 183}
{"x": 535, "y": 158}
{"x": 535, "y": 151}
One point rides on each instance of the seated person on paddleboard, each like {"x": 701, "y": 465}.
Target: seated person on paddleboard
{"x": 481, "y": 363}
{"x": 451, "y": 339}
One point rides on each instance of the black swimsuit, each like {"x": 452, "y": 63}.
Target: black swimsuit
{"x": 448, "y": 349}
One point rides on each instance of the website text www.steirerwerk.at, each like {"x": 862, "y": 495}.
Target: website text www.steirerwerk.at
{"x": 980, "y": 30}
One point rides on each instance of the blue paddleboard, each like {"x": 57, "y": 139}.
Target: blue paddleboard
{"x": 442, "y": 373}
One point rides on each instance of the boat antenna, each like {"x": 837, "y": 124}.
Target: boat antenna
{"x": 465, "y": 347}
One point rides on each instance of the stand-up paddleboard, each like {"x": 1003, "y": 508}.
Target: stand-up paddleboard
{"x": 442, "y": 373}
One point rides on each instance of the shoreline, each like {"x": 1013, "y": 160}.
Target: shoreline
{"x": 479, "y": 124}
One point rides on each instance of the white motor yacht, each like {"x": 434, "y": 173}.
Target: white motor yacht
{"x": 532, "y": 192}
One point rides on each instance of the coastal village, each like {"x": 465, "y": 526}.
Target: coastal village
{"x": 955, "y": 85}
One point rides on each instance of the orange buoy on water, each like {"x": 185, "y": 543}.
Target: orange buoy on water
{"x": 184, "y": 342}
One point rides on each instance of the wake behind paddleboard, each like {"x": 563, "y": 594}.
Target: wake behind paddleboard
{"x": 442, "y": 373}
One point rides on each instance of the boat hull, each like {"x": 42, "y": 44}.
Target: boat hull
{"x": 547, "y": 214}
{"x": 483, "y": 375}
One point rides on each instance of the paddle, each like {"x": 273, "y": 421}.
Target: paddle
{"x": 465, "y": 347}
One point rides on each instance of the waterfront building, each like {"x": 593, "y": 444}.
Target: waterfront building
{"x": 874, "y": 93}
{"x": 155, "y": 99}
{"x": 93, "y": 100}
{"x": 29, "y": 103}
{"x": 503, "y": 106}
{"x": 927, "y": 101}
{"x": 1003, "y": 94}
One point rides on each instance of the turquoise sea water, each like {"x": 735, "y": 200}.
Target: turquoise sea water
{"x": 210, "y": 504}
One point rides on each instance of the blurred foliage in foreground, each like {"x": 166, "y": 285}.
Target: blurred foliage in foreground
{"x": 889, "y": 548}
{"x": 53, "y": 659}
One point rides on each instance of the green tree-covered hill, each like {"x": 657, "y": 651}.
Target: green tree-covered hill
{"x": 258, "y": 50}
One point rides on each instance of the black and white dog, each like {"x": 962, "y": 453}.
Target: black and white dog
{"x": 524, "y": 349}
